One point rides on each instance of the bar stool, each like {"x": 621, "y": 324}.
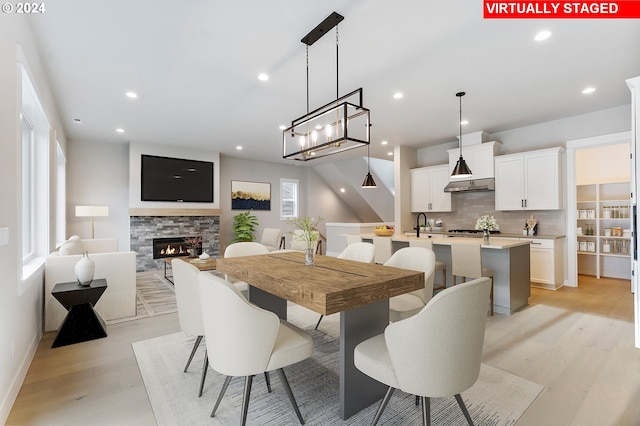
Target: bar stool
{"x": 466, "y": 262}
{"x": 382, "y": 249}
{"x": 440, "y": 266}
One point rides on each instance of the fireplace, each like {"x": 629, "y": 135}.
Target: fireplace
{"x": 171, "y": 247}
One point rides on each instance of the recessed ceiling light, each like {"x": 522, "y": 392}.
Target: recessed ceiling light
{"x": 464, "y": 122}
{"x": 119, "y": 130}
{"x": 398, "y": 95}
{"x": 588, "y": 90}
{"x": 263, "y": 77}
{"x": 390, "y": 153}
{"x": 342, "y": 190}
{"x": 239, "y": 148}
{"x": 282, "y": 127}
{"x": 132, "y": 95}
{"x": 542, "y": 35}
{"x": 384, "y": 143}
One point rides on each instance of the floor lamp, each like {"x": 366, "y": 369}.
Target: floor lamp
{"x": 92, "y": 211}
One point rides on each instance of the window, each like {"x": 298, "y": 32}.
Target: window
{"x": 34, "y": 174}
{"x": 288, "y": 198}
{"x": 61, "y": 199}
{"x": 27, "y": 190}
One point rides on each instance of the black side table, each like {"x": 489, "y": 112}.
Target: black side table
{"x": 82, "y": 322}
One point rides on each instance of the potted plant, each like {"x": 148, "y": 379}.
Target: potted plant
{"x": 244, "y": 227}
{"x": 308, "y": 236}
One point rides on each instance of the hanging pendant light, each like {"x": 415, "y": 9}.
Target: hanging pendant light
{"x": 461, "y": 170}
{"x": 338, "y": 126}
{"x": 368, "y": 180}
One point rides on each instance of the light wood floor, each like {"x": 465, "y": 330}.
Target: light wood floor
{"x": 578, "y": 343}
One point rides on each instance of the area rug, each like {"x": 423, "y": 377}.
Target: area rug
{"x": 497, "y": 398}
{"x": 155, "y": 295}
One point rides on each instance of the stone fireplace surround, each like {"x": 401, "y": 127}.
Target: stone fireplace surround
{"x": 147, "y": 224}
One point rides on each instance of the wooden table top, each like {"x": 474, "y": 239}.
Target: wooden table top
{"x": 201, "y": 264}
{"x": 331, "y": 285}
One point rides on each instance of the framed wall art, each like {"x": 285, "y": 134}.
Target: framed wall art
{"x": 250, "y": 195}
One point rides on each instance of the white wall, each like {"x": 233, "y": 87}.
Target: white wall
{"x": 20, "y": 301}
{"x": 98, "y": 174}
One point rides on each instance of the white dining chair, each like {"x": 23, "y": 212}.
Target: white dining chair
{"x": 466, "y": 262}
{"x": 416, "y": 259}
{"x": 185, "y": 280}
{"x": 440, "y": 266}
{"x": 433, "y": 354}
{"x": 359, "y": 252}
{"x": 244, "y": 340}
{"x": 272, "y": 238}
{"x": 351, "y": 239}
{"x": 383, "y": 249}
{"x": 245, "y": 248}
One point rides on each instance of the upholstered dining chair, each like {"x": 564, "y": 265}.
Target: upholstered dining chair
{"x": 359, "y": 252}
{"x": 440, "y": 266}
{"x": 244, "y": 340}
{"x": 353, "y": 239}
{"x": 435, "y": 353}
{"x": 383, "y": 249}
{"x": 466, "y": 262}
{"x": 272, "y": 238}
{"x": 185, "y": 279}
{"x": 245, "y": 248}
{"x": 417, "y": 259}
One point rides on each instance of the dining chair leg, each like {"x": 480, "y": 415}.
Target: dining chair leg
{"x": 204, "y": 372}
{"x": 383, "y": 404}
{"x": 224, "y": 389}
{"x": 464, "y": 409}
{"x": 193, "y": 351}
{"x": 245, "y": 399}
{"x": 268, "y": 380}
{"x": 426, "y": 411}
{"x": 287, "y": 389}
{"x": 417, "y": 400}
{"x": 321, "y": 316}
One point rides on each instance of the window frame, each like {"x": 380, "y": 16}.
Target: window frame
{"x": 295, "y": 199}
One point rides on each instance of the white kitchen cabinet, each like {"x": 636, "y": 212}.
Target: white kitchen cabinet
{"x": 529, "y": 180}
{"x": 427, "y": 189}
{"x": 546, "y": 262}
{"x": 478, "y": 157}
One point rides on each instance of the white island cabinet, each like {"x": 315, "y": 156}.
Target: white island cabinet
{"x": 529, "y": 180}
{"x": 427, "y": 189}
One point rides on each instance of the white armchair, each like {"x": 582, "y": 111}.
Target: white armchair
{"x": 118, "y": 268}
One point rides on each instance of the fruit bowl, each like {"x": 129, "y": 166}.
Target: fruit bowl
{"x": 384, "y": 232}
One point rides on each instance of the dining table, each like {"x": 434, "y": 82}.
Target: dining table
{"x": 359, "y": 291}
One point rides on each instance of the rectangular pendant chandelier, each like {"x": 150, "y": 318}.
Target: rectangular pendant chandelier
{"x": 336, "y": 127}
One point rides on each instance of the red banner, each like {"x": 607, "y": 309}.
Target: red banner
{"x": 622, "y": 9}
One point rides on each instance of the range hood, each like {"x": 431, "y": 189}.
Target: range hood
{"x": 473, "y": 185}
{"x": 479, "y": 155}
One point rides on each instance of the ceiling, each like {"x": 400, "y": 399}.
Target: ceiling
{"x": 195, "y": 66}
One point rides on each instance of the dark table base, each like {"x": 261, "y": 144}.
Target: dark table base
{"x": 81, "y": 324}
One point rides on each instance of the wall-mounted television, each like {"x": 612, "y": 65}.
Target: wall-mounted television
{"x": 176, "y": 179}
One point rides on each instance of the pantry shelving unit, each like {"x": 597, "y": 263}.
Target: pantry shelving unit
{"x": 603, "y": 229}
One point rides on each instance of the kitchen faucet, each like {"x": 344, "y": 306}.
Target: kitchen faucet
{"x": 417, "y": 228}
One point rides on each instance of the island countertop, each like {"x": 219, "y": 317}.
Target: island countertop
{"x": 495, "y": 243}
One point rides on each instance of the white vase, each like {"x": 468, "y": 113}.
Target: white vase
{"x": 85, "y": 268}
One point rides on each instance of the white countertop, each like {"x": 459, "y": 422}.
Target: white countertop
{"x": 494, "y": 242}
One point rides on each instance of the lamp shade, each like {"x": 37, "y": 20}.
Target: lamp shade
{"x": 92, "y": 211}
{"x": 461, "y": 170}
{"x": 369, "y": 182}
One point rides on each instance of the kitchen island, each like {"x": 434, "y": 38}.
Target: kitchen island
{"x": 508, "y": 258}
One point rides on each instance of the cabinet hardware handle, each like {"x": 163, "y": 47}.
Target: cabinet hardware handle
{"x": 534, "y": 243}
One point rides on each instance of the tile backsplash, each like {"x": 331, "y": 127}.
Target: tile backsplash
{"x": 472, "y": 205}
